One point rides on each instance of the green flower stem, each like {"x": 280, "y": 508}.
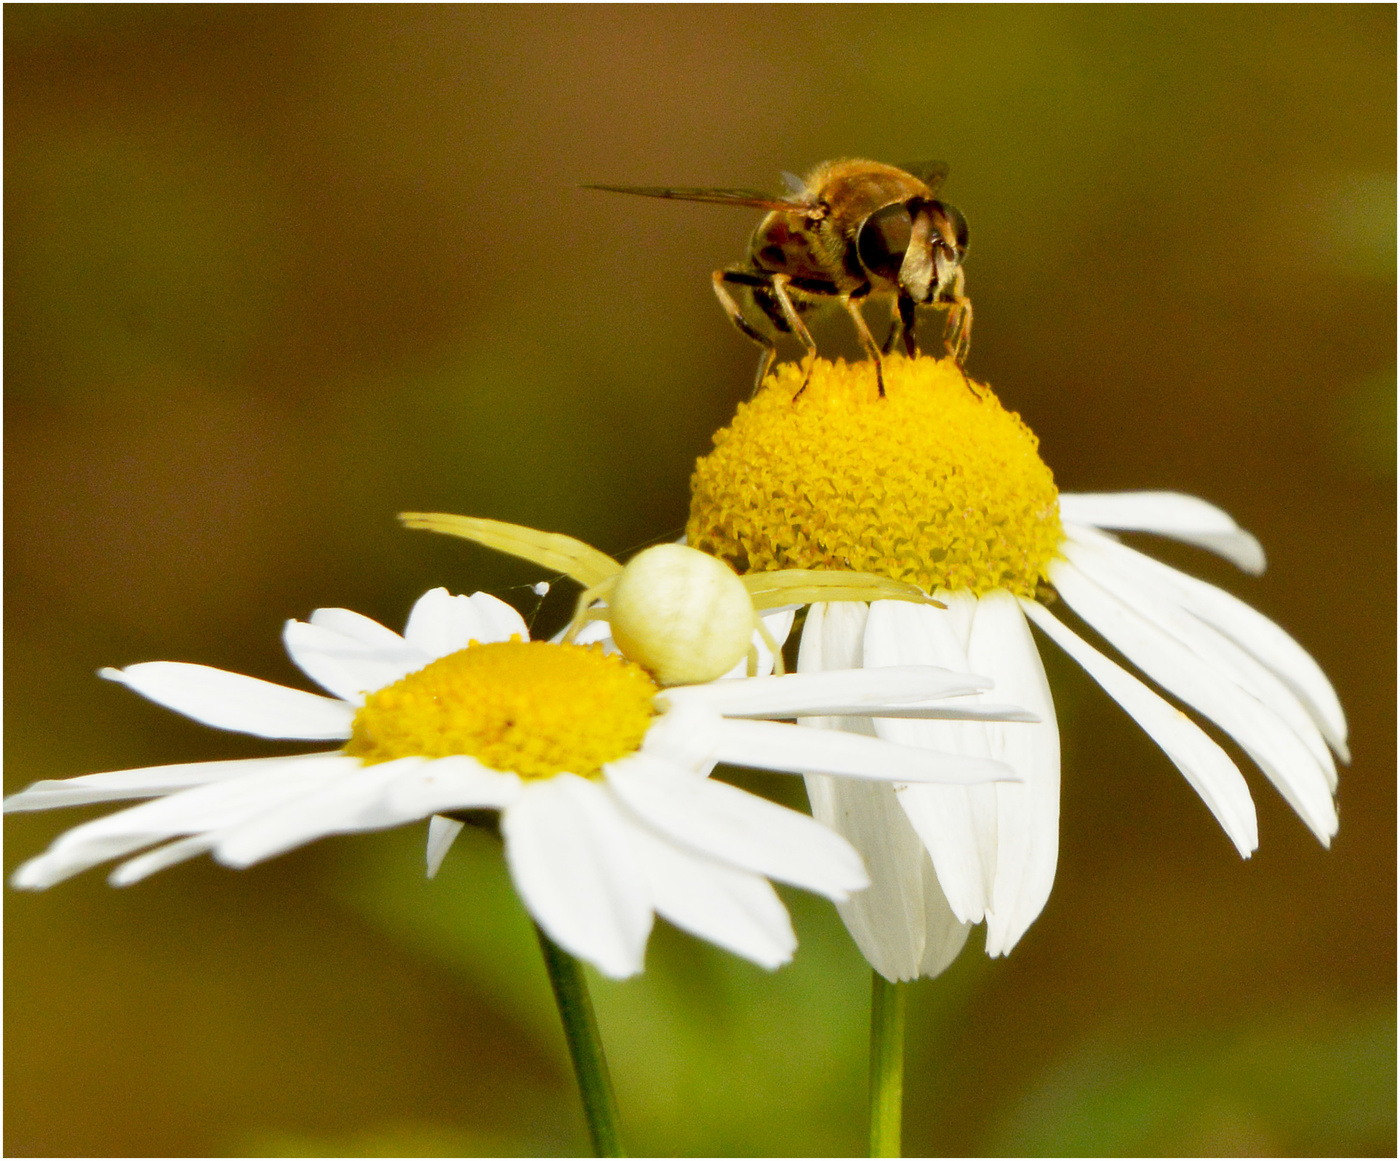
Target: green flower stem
{"x": 886, "y": 1065}
{"x": 585, "y": 1047}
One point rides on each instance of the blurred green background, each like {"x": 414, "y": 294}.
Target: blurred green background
{"x": 276, "y": 273}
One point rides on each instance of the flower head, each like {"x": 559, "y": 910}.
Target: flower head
{"x": 597, "y": 773}
{"x": 937, "y": 484}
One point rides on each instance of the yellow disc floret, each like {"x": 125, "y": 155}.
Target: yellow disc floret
{"x": 936, "y": 484}
{"x": 531, "y": 707}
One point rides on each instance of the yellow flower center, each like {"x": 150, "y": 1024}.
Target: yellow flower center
{"x": 936, "y": 484}
{"x": 530, "y": 707}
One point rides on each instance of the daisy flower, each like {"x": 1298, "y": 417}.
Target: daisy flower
{"x": 595, "y": 770}
{"x": 939, "y": 486}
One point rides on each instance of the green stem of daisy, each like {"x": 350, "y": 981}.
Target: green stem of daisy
{"x": 585, "y": 1046}
{"x": 886, "y": 1065}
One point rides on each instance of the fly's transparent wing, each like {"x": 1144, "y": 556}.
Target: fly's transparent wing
{"x": 752, "y": 198}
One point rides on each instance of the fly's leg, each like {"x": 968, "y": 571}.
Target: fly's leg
{"x": 777, "y": 283}
{"x": 957, "y": 332}
{"x": 867, "y": 340}
{"x": 736, "y": 316}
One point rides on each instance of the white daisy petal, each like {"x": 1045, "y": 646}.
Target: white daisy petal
{"x": 571, "y": 859}
{"x": 732, "y": 908}
{"x": 442, "y": 833}
{"x": 441, "y": 623}
{"x": 1249, "y": 629}
{"x": 739, "y": 828}
{"x": 887, "y": 919}
{"x": 687, "y": 736}
{"x": 1203, "y": 763}
{"x": 453, "y": 783}
{"x": 957, "y": 825}
{"x": 210, "y": 807}
{"x": 1147, "y": 594}
{"x": 1174, "y": 514}
{"x": 55, "y": 865}
{"x": 231, "y": 701}
{"x": 146, "y": 782}
{"x": 858, "y": 692}
{"x": 498, "y": 620}
{"x": 357, "y": 627}
{"x": 775, "y": 746}
{"x": 960, "y": 837}
{"x": 833, "y": 637}
{"x": 345, "y": 665}
{"x": 1028, "y": 813}
{"x": 169, "y": 855}
{"x": 944, "y": 934}
{"x": 1267, "y": 739}
{"x": 355, "y": 801}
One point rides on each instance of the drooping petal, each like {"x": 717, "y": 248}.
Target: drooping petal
{"x": 944, "y": 934}
{"x": 735, "y": 909}
{"x": 442, "y": 833}
{"x": 441, "y": 623}
{"x": 1260, "y": 732}
{"x": 212, "y": 807}
{"x": 1203, "y": 763}
{"x": 1147, "y": 594}
{"x": 956, "y": 832}
{"x": 834, "y": 637}
{"x": 886, "y": 920}
{"x": 726, "y": 823}
{"x": 957, "y": 825}
{"x": 1173, "y": 514}
{"x": 1249, "y": 629}
{"x": 146, "y": 782}
{"x": 347, "y": 665}
{"x": 902, "y": 922}
{"x": 232, "y": 701}
{"x": 1028, "y": 812}
{"x": 571, "y": 859}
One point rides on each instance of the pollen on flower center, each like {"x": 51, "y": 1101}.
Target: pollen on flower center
{"x": 531, "y": 707}
{"x": 936, "y": 484}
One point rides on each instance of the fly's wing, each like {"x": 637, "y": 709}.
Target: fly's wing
{"x": 752, "y": 198}
{"x": 931, "y": 173}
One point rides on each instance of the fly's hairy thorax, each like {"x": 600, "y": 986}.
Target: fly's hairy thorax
{"x": 820, "y": 246}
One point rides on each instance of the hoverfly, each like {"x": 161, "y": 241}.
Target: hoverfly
{"x": 851, "y": 230}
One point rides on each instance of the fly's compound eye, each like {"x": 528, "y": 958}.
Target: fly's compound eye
{"x": 883, "y": 239}
{"x": 957, "y": 223}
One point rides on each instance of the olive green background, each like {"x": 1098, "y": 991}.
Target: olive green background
{"x": 276, "y": 273}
